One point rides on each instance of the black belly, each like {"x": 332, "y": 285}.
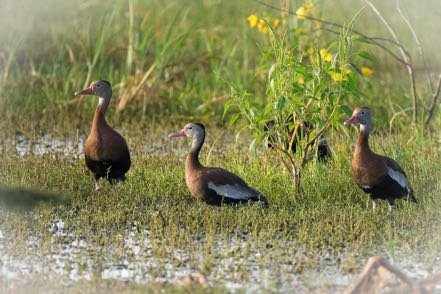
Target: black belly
{"x": 387, "y": 189}
{"x": 112, "y": 170}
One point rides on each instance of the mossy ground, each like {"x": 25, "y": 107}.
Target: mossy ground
{"x": 57, "y": 228}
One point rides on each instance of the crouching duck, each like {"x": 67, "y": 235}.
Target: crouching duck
{"x": 210, "y": 184}
{"x": 380, "y": 176}
{"x": 106, "y": 152}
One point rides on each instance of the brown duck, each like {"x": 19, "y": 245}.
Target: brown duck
{"x": 211, "y": 184}
{"x": 379, "y": 176}
{"x": 106, "y": 152}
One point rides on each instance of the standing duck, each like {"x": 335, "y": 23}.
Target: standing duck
{"x": 380, "y": 176}
{"x": 106, "y": 152}
{"x": 211, "y": 184}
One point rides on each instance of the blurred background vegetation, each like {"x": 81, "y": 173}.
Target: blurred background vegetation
{"x": 171, "y": 59}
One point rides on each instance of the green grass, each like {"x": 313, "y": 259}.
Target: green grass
{"x": 330, "y": 215}
{"x": 51, "y": 49}
{"x": 194, "y": 48}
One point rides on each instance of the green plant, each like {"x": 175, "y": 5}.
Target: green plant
{"x": 303, "y": 98}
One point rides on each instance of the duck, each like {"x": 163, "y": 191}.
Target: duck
{"x": 215, "y": 186}
{"x": 323, "y": 152}
{"x": 106, "y": 152}
{"x": 379, "y": 176}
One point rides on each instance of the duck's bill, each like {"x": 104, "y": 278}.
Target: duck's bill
{"x": 351, "y": 121}
{"x": 180, "y": 133}
{"x": 87, "y": 91}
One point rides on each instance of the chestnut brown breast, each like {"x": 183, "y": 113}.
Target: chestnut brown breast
{"x": 104, "y": 143}
{"x": 368, "y": 169}
{"x": 106, "y": 151}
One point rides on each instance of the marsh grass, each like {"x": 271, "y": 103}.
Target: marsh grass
{"x": 330, "y": 214}
{"x": 194, "y": 50}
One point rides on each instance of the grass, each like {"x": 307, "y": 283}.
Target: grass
{"x": 193, "y": 50}
{"x": 329, "y": 215}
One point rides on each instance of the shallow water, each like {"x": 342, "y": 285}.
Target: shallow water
{"x": 73, "y": 258}
{"x": 73, "y": 147}
{"x": 43, "y": 145}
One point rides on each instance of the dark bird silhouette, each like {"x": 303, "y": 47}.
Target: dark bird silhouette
{"x": 323, "y": 151}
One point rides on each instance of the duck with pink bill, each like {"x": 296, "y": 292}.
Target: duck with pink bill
{"x": 106, "y": 152}
{"x": 379, "y": 176}
{"x": 213, "y": 185}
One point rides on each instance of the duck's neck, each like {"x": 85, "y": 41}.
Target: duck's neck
{"x": 363, "y": 139}
{"x": 99, "y": 117}
{"x": 103, "y": 103}
{"x": 193, "y": 157}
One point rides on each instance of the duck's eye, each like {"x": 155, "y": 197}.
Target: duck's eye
{"x": 190, "y": 128}
{"x": 98, "y": 85}
{"x": 362, "y": 113}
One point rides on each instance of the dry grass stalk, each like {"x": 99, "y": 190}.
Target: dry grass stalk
{"x": 376, "y": 274}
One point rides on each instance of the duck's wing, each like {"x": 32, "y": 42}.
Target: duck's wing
{"x": 231, "y": 187}
{"x": 396, "y": 173}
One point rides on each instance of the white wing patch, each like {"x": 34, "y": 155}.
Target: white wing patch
{"x": 230, "y": 191}
{"x": 399, "y": 178}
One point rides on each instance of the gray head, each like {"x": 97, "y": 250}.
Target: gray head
{"x": 100, "y": 88}
{"x": 196, "y": 132}
{"x": 362, "y": 116}
{"x": 192, "y": 130}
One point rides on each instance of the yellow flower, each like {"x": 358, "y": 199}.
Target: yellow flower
{"x": 366, "y": 71}
{"x": 325, "y": 55}
{"x": 302, "y": 12}
{"x": 301, "y": 81}
{"x": 276, "y": 23}
{"x": 252, "y": 20}
{"x": 311, "y": 51}
{"x": 262, "y": 26}
{"x": 337, "y": 77}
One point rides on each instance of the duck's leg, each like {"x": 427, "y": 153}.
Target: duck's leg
{"x": 374, "y": 204}
{"x": 97, "y": 185}
{"x": 390, "y": 203}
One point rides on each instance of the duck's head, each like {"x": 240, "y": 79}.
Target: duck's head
{"x": 192, "y": 130}
{"x": 99, "y": 88}
{"x": 362, "y": 116}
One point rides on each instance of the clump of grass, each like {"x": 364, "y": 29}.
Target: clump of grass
{"x": 329, "y": 212}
